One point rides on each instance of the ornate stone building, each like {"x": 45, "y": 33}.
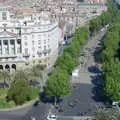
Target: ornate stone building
{"x": 28, "y": 38}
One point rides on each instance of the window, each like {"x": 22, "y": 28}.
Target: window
{"x": 39, "y": 42}
{"x": 5, "y": 42}
{"x": 12, "y": 30}
{"x": 44, "y": 47}
{"x": 44, "y": 41}
{"x": 33, "y": 42}
{"x": 33, "y": 55}
{"x": 12, "y": 42}
{"x": 19, "y": 41}
{"x": 26, "y": 50}
{"x": 45, "y": 54}
{"x": 4, "y": 16}
{"x": 32, "y": 36}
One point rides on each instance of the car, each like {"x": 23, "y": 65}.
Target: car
{"x": 51, "y": 117}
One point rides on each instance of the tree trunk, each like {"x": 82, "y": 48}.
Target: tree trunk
{"x": 55, "y": 101}
{"x": 4, "y": 83}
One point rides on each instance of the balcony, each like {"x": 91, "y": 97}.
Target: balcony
{"x": 8, "y": 56}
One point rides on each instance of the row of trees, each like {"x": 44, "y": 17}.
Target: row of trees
{"x": 105, "y": 18}
{"x": 111, "y": 63}
{"x": 58, "y": 84}
{"x": 111, "y": 49}
{"x": 111, "y": 55}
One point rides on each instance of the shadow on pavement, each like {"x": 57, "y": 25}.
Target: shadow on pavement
{"x": 46, "y": 99}
{"x": 97, "y": 88}
{"x": 94, "y": 69}
{"x": 97, "y": 54}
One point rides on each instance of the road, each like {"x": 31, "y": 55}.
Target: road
{"x": 86, "y": 95}
{"x": 39, "y": 112}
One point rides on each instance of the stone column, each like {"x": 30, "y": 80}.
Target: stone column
{"x": 8, "y": 46}
{"x": 20, "y": 46}
{"x": 15, "y": 46}
{"x": 2, "y": 46}
{"x": 9, "y": 51}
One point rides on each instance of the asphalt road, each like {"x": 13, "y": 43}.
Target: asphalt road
{"x": 39, "y": 112}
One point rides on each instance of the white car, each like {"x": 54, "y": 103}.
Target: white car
{"x": 51, "y": 117}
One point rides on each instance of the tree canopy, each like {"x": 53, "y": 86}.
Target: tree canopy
{"x": 19, "y": 92}
{"x": 58, "y": 84}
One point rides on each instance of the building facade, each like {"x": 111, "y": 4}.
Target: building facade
{"x": 28, "y": 38}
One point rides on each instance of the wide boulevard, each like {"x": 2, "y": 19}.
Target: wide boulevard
{"x": 85, "y": 97}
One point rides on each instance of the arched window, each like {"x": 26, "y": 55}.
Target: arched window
{"x": 7, "y": 67}
{"x": 13, "y": 66}
{"x": 1, "y": 67}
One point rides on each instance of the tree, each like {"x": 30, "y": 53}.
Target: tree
{"x": 58, "y": 84}
{"x": 19, "y": 92}
{"x": 66, "y": 62}
{"x": 5, "y": 76}
{"x": 20, "y": 75}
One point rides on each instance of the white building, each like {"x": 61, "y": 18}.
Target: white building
{"x": 28, "y": 38}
